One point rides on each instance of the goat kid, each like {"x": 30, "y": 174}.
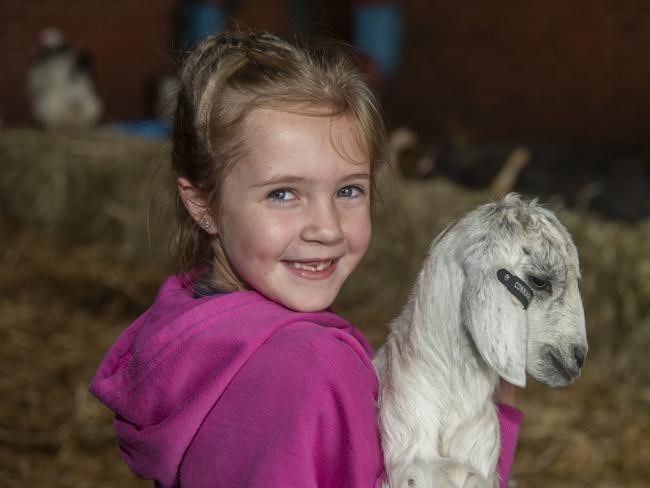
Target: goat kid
{"x": 497, "y": 296}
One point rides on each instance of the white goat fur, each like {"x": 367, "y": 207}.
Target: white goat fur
{"x": 461, "y": 330}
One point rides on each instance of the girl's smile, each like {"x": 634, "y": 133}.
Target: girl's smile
{"x": 313, "y": 269}
{"x": 294, "y": 218}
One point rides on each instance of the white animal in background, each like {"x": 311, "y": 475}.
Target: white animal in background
{"x": 497, "y": 296}
{"x": 61, "y": 87}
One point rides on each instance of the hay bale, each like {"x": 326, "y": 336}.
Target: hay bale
{"x": 88, "y": 187}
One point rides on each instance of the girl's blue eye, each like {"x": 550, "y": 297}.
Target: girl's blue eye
{"x": 350, "y": 192}
{"x": 281, "y": 196}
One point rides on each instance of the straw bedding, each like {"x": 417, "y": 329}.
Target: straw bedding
{"x": 84, "y": 226}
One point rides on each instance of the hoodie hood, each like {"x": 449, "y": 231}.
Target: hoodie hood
{"x": 168, "y": 369}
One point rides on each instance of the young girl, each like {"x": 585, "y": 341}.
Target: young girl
{"x": 238, "y": 375}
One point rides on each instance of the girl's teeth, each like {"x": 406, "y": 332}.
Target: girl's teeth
{"x": 311, "y": 267}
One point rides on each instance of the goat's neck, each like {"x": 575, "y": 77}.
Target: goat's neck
{"x": 433, "y": 342}
{"x": 433, "y": 379}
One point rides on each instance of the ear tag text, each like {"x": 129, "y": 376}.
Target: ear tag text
{"x": 516, "y": 286}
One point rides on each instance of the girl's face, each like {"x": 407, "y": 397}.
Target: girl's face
{"x": 295, "y": 211}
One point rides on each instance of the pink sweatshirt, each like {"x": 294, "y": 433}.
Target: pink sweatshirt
{"x": 237, "y": 391}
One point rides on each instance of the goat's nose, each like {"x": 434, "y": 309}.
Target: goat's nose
{"x": 579, "y": 352}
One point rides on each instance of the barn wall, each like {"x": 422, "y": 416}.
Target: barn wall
{"x": 549, "y": 68}
{"x": 494, "y": 68}
{"x": 129, "y": 39}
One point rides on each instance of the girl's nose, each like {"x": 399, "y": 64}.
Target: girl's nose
{"x": 322, "y": 225}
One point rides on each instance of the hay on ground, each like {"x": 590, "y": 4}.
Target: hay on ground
{"x": 69, "y": 285}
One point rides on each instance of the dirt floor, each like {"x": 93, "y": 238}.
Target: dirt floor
{"x": 65, "y": 296}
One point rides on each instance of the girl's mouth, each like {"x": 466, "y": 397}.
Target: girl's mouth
{"x": 313, "y": 270}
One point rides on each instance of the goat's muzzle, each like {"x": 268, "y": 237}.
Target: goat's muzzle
{"x": 562, "y": 369}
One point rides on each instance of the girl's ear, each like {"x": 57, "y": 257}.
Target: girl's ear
{"x": 196, "y": 203}
{"x": 496, "y": 321}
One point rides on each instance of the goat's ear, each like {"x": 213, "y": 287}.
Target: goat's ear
{"x": 497, "y": 322}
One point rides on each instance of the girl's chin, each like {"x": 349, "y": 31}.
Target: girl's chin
{"x": 303, "y": 301}
{"x": 311, "y": 293}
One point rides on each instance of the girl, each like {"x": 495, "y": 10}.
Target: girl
{"x": 238, "y": 376}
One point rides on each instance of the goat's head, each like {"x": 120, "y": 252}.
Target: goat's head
{"x": 515, "y": 331}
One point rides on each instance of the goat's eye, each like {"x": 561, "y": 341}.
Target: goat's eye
{"x": 539, "y": 283}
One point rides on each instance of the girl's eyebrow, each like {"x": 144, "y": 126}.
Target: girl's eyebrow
{"x": 282, "y": 179}
{"x": 289, "y": 179}
{"x": 358, "y": 176}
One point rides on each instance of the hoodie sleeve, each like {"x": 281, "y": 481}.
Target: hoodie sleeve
{"x": 300, "y": 412}
{"x": 510, "y": 418}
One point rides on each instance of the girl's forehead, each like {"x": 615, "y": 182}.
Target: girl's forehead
{"x": 297, "y": 116}
{"x": 285, "y": 138}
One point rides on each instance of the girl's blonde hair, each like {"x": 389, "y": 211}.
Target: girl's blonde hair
{"x": 221, "y": 82}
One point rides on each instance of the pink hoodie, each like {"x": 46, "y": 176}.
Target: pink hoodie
{"x": 238, "y": 391}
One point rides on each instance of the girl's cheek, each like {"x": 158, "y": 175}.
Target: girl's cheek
{"x": 368, "y": 237}
{"x": 362, "y": 233}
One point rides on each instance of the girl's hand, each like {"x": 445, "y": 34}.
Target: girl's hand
{"x": 505, "y": 393}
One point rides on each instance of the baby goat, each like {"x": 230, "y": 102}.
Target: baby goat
{"x": 497, "y": 297}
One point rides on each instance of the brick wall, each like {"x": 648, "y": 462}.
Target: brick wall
{"x": 489, "y": 68}
{"x": 130, "y": 42}
{"x": 546, "y": 68}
